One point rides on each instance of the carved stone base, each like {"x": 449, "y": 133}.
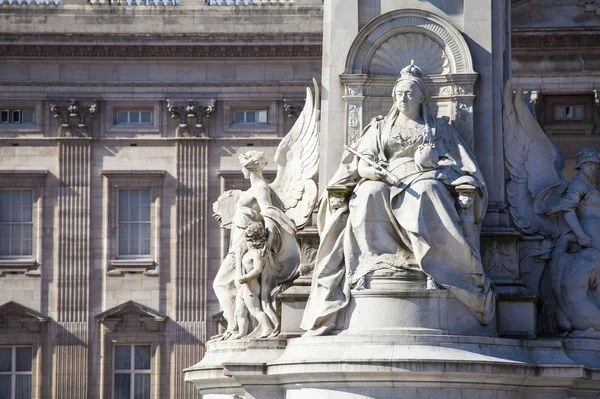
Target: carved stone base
{"x": 400, "y": 306}
{"x": 392, "y": 366}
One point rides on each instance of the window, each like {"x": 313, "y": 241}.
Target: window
{"x": 16, "y": 116}
{"x": 16, "y": 223}
{"x": 15, "y": 372}
{"x": 568, "y": 112}
{"x": 134, "y": 222}
{"x": 132, "y": 372}
{"x": 257, "y": 116}
{"x": 134, "y": 116}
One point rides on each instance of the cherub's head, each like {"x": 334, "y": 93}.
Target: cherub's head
{"x": 255, "y": 234}
{"x": 252, "y": 161}
{"x": 588, "y": 161}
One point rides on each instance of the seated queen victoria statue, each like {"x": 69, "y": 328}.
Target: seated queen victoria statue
{"x": 401, "y": 211}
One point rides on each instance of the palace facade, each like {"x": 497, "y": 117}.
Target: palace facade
{"x": 120, "y": 125}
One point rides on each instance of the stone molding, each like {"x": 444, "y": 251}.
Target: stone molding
{"x": 108, "y": 51}
{"x": 15, "y": 317}
{"x": 552, "y": 39}
{"x": 404, "y": 21}
{"x": 113, "y": 317}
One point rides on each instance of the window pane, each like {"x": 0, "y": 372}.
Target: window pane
{"x": 250, "y": 117}
{"x": 122, "y": 117}
{"x": 4, "y": 116}
{"x": 142, "y": 386}
{"x": 5, "y": 387}
{"x": 145, "y": 197}
{"x": 5, "y": 359}
{"x": 16, "y": 116}
{"x": 559, "y": 112}
{"x": 238, "y": 117}
{"x": 123, "y": 357}
{"x": 123, "y": 205}
{"x": 144, "y": 247}
{"x": 569, "y": 112}
{"x": 146, "y": 116}
{"x": 145, "y": 212}
{"x": 134, "y": 246}
{"x": 122, "y": 386}
{"x": 142, "y": 357}
{"x": 4, "y": 210}
{"x": 5, "y": 240}
{"x": 24, "y": 355}
{"x": 27, "y": 116}
{"x": 26, "y": 248}
{"x": 134, "y": 116}
{"x": 579, "y": 112}
{"x": 23, "y": 387}
{"x": 262, "y": 116}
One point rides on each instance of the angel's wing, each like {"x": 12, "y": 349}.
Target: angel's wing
{"x": 297, "y": 159}
{"x": 535, "y": 168}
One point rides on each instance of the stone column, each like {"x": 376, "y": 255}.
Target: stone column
{"x": 487, "y": 32}
{"x": 340, "y": 26}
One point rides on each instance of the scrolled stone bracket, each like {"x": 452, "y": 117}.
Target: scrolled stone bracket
{"x": 191, "y": 117}
{"x": 74, "y": 119}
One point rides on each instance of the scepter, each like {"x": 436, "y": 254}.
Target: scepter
{"x": 392, "y": 177}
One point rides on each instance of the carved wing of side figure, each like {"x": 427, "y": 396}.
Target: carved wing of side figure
{"x": 297, "y": 159}
{"x": 535, "y": 168}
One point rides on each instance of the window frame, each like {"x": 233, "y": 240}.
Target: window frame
{"x": 273, "y": 128}
{"x": 132, "y": 129}
{"x": 132, "y": 372}
{"x": 20, "y": 128}
{"x": 20, "y": 223}
{"x": 554, "y": 126}
{"x": 246, "y": 111}
{"x": 33, "y": 340}
{"x": 26, "y": 180}
{"x": 114, "y": 180}
{"x": 129, "y": 111}
{"x": 13, "y": 372}
{"x": 118, "y": 233}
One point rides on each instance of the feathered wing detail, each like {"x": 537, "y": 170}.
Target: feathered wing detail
{"x": 535, "y": 169}
{"x": 297, "y": 159}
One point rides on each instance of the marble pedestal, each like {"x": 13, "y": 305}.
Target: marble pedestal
{"x": 399, "y": 366}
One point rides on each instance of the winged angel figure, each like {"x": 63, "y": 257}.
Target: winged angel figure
{"x": 562, "y": 266}
{"x": 258, "y": 263}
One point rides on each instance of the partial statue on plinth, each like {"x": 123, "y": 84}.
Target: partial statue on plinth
{"x": 567, "y": 215}
{"x": 264, "y": 251}
{"x": 408, "y": 198}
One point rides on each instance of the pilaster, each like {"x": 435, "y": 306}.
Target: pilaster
{"x": 72, "y": 270}
{"x": 191, "y": 265}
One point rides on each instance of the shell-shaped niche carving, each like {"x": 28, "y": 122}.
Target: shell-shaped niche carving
{"x": 397, "y": 52}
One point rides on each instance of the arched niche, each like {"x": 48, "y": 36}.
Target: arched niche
{"x": 386, "y": 45}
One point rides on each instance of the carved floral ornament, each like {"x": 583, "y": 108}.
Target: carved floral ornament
{"x": 191, "y": 117}
{"x": 590, "y": 5}
{"x": 74, "y": 118}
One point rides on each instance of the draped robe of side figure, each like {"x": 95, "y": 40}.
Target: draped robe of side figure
{"x": 412, "y": 224}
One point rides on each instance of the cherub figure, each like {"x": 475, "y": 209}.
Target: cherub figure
{"x": 250, "y": 262}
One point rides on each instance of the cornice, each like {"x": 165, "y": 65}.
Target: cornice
{"x": 157, "y": 39}
{"x": 554, "y": 39}
{"x": 164, "y": 51}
